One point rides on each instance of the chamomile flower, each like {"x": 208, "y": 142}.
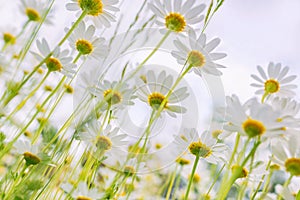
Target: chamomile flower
{"x": 34, "y": 10}
{"x": 109, "y": 140}
{"x": 287, "y": 155}
{"x": 9, "y": 36}
{"x": 117, "y": 95}
{"x": 100, "y": 11}
{"x": 198, "y": 54}
{"x": 252, "y": 120}
{"x": 205, "y": 146}
{"x": 288, "y": 193}
{"x": 287, "y": 109}
{"x": 84, "y": 41}
{"x": 176, "y": 16}
{"x": 133, "y": 166}
{"x": 275, "y": 82}
{"x": 59, "y": 61}
{"x": 154, "y": 89}
{"x": 31, "y": 153}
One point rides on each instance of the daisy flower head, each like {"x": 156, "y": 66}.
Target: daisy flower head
{"x": 31, "y": 153}
{"x": 252, "y": 119}
{"x": 205, "y": 146}
{"x": 287, "y": 155}
{"x": 287, "y": 109}
{"x": 58, "y": 61}
{"x": 133, "y": 166}
{"x": 275, "y": 82}
{"x": 100, "y": 11}
{"x": 84, "y": 41}
{"x": 34, "y": 10}
{"x": 115, "y": 94}
{"x": 198, "y": 54}
{"x": 153, "y": 90}
{"x": 176, "y": 16}
{"x": 110, "y": 141}
{"x": 9, "y": 35}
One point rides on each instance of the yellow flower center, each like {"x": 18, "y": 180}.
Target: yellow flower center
{"x": 158, "y": 146}
{"x": 292, "y": 165}
{"x": 182, "y": 161}
{"x": 155, "y": 100}
{"x": 84, "y": 47}
{"x": 9, "y": 38}
{"x": 196, "y": 178}
{"x": 198, "y": 148}
{"x": 243, "y": 171}
{"x": 48, "y": 88}
{"x": 32, "y": 14}
{"x": 103, "y": 143}
{"x": 216, "y": 133}
{"x": 272, "y": 86}
{"x": 69, "y": 89}
{"x": 275, "y": 167}
{"x": 112, "y": 97}
{"x": 92, "y": 7}
{"x": 175, "y": 22}
{"x": 83, "y": 198}
{"x": 253, "y": 127}
{"x": 53, "y": 64}
{"x": 196, "y": 58}
{"x": 31, "y": 159}
{"x": 129, "y": 170}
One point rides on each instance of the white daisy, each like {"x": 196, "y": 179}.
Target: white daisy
{"x": 253, "y": 119}
{"x": 133, "y": 166}
{"x": 109, "y": 140}
{"x": 153, "y": 90}
{"x": 31, "y": 153}
{"x": 116, "y": 94}
{"x": 59, "y": 60}
{"x": 288, "y": 109}
{"x": 100, "y": 11}
{"x": 175, "y": 16}
{"x": 288, "y": 193}
{"x": 206, "y": 146}
{"x": 287, "y": 154}
{"x": 34, "y": 10}
{"x": 84, "y": 41}
{"x": 275, "y": 82}
{"x": 198, "y": 54}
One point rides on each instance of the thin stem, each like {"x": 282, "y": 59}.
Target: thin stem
{"x": 191, "y": 177}
{"x": 150, "y": 55}
{"x": 215, "y": 180}
{"x": 171, "y": 183}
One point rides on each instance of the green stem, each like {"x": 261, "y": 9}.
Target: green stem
{"x": 171, "y": 183}
{"x": 192, "y": 177}
{"x": 177, "y": 183}
{"x": 215, "y": 180}
{"x": 150, "y": 55}
{"x": 23, "y": 102}
{"x": 237, "y": 172}
{"x": 266, "y": 185}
